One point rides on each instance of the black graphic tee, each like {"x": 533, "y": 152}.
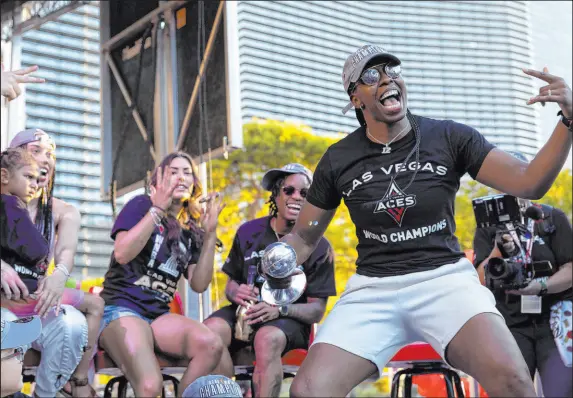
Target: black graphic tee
{"x": 23, "y": 246}
{"x": 249, "y": 244}
{"x": 554, "y": 247}
{"x": 401, "y": 230}
{"x": 147, "y": 283}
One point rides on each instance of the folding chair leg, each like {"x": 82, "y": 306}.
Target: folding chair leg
{"x": 408, "y": 386}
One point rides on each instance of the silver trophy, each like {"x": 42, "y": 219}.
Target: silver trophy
{"x": 285, "y": 280}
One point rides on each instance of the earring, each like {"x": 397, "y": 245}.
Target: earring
{"x": 362, "y": 107}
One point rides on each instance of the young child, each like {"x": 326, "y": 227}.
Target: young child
{"x": 26, "y": 250}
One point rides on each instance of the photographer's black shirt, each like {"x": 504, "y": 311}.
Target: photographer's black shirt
{"x": 555, "y": 247}
{"x": 401, "y": 230}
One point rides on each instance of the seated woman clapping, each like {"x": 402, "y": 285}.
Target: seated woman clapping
{"x": 158, "y": 238}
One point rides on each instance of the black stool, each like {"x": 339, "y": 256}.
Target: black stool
{"x": 451, "y": 379}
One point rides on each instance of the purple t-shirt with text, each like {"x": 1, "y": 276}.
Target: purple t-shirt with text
{"x": 147, "y": 283}
{"x": 23, "y": 246}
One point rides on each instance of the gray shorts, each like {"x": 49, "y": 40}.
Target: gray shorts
{"x": 375, "y": 317}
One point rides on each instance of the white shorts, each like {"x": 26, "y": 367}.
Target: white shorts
{"x": 375, "y": 317}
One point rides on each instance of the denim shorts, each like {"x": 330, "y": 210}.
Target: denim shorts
{"x": 113, "y": 312}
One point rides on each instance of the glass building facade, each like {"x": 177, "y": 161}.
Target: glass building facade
{"x": 462, "y": 60}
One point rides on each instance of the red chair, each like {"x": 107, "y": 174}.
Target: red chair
{"x": 421, "y": 359}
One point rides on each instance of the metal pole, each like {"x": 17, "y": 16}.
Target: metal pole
{"x": 140, "y": 24}
{"x": 200, "y": 75}
{"x": 129, "y": 102}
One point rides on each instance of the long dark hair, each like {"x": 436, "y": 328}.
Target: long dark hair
{"x": 188, "y": 216}
{"x": 44, "y": 214}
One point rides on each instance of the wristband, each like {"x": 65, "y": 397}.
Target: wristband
{"x": 543, "y": 290}
{"x": 568, "y": 122}
{"x": 64, "y": 269}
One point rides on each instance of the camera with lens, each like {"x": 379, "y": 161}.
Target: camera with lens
{"x": 507, "y": 214}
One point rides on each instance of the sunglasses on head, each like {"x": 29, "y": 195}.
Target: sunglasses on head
{"x": 18, "y": 353}
{"x": 373, "y": 75}
{"x": 289, "y": 191}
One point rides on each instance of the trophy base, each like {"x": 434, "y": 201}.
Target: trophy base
{"x": 289, "y": 295}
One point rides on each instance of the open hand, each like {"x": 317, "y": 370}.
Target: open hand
{"x": 49, "y": 293}
{"x": 261, "y": 312}
{"x": 162, "y": 193}
{"x": 555, "y": 91}
{"x": 210, "y": 214}
{"x": 11, "y": 81}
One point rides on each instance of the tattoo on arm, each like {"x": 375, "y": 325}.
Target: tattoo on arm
{"x": 311, "y": 312}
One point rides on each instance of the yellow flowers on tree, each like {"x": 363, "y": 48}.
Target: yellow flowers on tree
{"x": 270, "y": 144}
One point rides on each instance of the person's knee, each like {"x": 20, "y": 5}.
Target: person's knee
{"x": 73, "y": 324}
{"x": 95, "y": 305}
{"x": 206, "y": 342}
{"x": 269, "y": 344}
{"x": 302, "y": 387}
{"x": 150, "y": 385}
{"x": 221, "y": 328}
{"x": 508, "y": 377}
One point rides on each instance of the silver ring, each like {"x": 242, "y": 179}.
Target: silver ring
{"x": 549, "y": 92}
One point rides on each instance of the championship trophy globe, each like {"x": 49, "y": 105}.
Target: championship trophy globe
{"x": 285, "y": 280}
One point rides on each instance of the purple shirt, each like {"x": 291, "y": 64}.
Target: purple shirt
{"x": 147, "y": 283}
{"x": 23, "y": 246}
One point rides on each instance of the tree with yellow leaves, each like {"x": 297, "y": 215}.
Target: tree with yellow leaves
{"x": 558, "y": 196}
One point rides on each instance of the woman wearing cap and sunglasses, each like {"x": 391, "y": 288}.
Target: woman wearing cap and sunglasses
{"x": 398, "y": 175}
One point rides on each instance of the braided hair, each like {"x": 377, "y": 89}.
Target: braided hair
{"x": 275, "y": 192}
{"x": 44, "y": 214}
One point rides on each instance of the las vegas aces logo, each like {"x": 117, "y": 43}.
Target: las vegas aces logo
{"x": 395, "y": 202}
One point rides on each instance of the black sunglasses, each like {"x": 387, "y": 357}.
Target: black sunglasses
{"x": 289, "y": 191}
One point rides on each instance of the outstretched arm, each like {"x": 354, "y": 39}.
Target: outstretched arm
{"x": 309, "y": 228}
{"x": 533, "y": 180}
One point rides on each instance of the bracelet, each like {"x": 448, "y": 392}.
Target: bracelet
{"x": 159, "y": 208}
{"x": 543, "y": 290}
{"x": 62, "y": 268}
{"x": 157, "y": 218}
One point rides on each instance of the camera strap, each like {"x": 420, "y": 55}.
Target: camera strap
{"x": 530, "y": 240}
{"x": 530, "y": 304}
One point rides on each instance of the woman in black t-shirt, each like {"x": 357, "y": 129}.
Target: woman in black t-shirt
{"x": 398, "y": 175}
{"x": 159, "y": 238}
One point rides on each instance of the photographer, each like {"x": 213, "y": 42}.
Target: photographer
{"x": 543, "y": 334}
